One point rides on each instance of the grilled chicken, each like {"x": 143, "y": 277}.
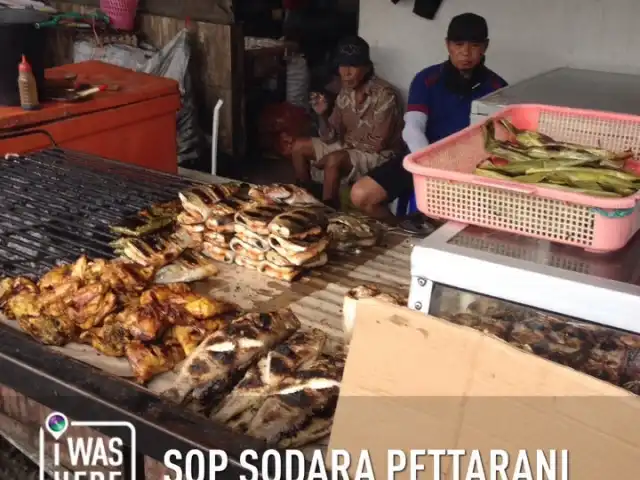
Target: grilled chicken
{"x": 299, "y": 223}
{"x": 191, "y": 266}
{"x": 257, "y": 219}
{"x": 190, "y": 336}
{"x": 265, "y": 377}
{"x": 285, "y": 418}
{"x": 146, "y": 361}
{"x": 219, "y": 254}
{"x": 90, "y": 304}
{"x": 111, "y": 339}
{"x": 49, "y": 330}
{"x": 209, "y": 371}
{"x": 298, "y": 252}
{"x": 348, "y": 232}
{"x": 199, "y": 306}
{"x": 14, "y": 286}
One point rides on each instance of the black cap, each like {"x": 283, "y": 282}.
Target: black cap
{"x": 468, "y": 27}
{"x": 353, "y": 52}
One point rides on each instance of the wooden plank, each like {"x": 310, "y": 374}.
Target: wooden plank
{"x": 214, "y": 11}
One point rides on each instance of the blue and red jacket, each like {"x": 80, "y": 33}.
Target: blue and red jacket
{"x": 447, "y": 108}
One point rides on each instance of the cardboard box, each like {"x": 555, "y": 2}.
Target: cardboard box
{"x": 415, "y": 382}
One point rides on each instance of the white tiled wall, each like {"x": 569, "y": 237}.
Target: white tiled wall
{"x": 527, "y": 36}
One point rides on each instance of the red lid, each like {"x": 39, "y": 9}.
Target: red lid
{"x": 24, "y": 65}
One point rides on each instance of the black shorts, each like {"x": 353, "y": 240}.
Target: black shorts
{"x": 393, "y": 178}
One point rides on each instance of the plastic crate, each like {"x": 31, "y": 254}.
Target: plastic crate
{"x": 446, "y": 187}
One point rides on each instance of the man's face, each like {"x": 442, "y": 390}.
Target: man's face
{"x": 466, "y": 55}
{"x": 352, "y": 77}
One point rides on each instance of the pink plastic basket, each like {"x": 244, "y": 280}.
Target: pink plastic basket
{"x": 446, "y": 187}
{"x": 122, "y": 13}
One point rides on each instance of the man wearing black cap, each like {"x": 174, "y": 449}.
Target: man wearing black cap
{"x": 440, "y": 99}
{"x": 363, "y": 131}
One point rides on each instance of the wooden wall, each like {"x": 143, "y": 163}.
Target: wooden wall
{"x": 217, "y": 55}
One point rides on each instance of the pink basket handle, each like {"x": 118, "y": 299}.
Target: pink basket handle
{"x": 488, "y": 182}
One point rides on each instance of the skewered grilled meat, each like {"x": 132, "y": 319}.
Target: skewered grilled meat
{"x": 149, "y": 360}
{"x": 299, "y": 223}
{"x": 220, "y": 254}
{"x": 265, "y": 377}
{"x": 209, "y": 370}
{"x": 110, "y": 339}
{"x": 298, "y": 252}
{"x": 191, "y": 266}
{"x": 348, "y": 232}
{"x": 257, "y": 219}
{"x": 166, "y": 209}
{"x": 311, "y": 391}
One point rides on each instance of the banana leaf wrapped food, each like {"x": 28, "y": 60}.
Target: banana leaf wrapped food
{"x": 534, "y": 158}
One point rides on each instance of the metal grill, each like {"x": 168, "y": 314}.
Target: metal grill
{"x": 58, "y": 204}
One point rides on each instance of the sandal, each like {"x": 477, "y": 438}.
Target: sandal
{"x": 416, "y": 224}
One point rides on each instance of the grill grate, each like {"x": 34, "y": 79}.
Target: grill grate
{"x": 57, "y": 204}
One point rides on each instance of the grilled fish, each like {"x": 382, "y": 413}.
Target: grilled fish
{"x": 348, "y": 232}
{"x": 299, "y": 223}
{"x": 257, "y": 219}
{"x": 304, "y": 250}
{"x": 359, "y": 293}
{"x": 219, "y": 254}
{"x": 210, "y": 370}
{"x": 265, "y": 377}
{"x": 166, "y": 209}
{"x": 277, "y": 260}
{"x": 279, "y": 272}
{"x": 243, "y": 249}
{"x": 218, "y": 239}
{"x": 255, "y": 240}
{"x": 224, "y": 224}
{"x": 186, "y": 218}
{"x": 154, "y": 251}
{"x": 146, "y": 361}
{"x": 140, "y": 226}
{"x": 312, "y": 390}
{"x": 247, "y": 262}
{"x": 199, "y": 200}
{"x": 191, "y": 266}
{"x": 287, "y": 193}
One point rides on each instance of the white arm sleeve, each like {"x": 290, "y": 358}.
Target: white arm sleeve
{"x": 414, "y": 132}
